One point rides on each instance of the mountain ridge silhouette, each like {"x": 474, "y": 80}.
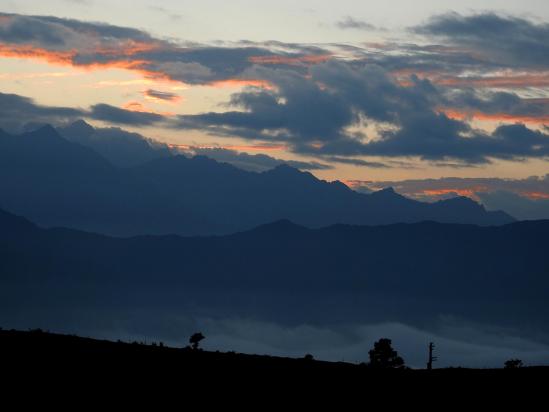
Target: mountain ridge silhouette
{"x": 56, "y": 182}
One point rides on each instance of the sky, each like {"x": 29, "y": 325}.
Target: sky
{"x": 432, "y": 97}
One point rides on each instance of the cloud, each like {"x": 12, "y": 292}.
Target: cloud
{"x": 313, "y": 115}
{"x": 161, "y": 96}
{"x": 111, "y": 114}
{"x": 502, "y": 39}
{"x": 357, "y": 162}
{"x": 97, "y": 45}
{"x": 503, "y": 106}
{"x": 350, "y": 23}
{"x": 16, "y": 111}
{"x": 43, "y": 31}
{"x": 533, "y": 206}
{"x": 418, "y": 101}
{"x": 436, "y": 137}
{"x": 251, "y": 162}
{"x": 525, "y": 199}
{"x": 166, "y": 12}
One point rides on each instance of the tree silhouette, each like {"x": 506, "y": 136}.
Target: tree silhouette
{"x": 513, "y": 364}
{"x": 195, "y": 339}
{"x": 383, "y": 356}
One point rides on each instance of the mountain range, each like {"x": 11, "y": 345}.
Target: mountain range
{"x": 117, "y": 183}
{"x": 280, "y": 272}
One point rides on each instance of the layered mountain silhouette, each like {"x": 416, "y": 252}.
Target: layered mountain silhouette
{"x": 144, "y": 189}
{"x": 59, "y": 183}
{"x": 281, "y": 272}
{"x": 121, "y": 148}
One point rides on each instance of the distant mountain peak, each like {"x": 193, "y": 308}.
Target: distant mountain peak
{"x": 462, "y": 201}
{"x": 45, "y": 134}
{"x": 282, "y": 225}
{"x": 47, "y": 129}
{"x": 81, "y": 127}
{"x": 284, "y": 168}
{"x": 387, "y": 192}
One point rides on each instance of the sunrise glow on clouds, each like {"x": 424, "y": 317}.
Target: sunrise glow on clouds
{"x": 463, "y": 95}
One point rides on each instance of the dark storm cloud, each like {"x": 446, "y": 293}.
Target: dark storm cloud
{"x": 499, "y": 102}
{"x": 313, "y": 114}
{"x": 504, "y": 39}
{"x": 321, "y": 107}
{"x": 299, "y": 110}
{"x": 433, "y": 136}
{"x": 116, "y": 115}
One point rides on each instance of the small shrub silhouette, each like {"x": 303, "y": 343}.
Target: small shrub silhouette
{"x": 513, "y": 364}
{"x": 383, "y": 356}
{"x": 195, "y": 340}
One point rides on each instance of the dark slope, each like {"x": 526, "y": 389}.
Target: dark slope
{"x": 70, "y": 357}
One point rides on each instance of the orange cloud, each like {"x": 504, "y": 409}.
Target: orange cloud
{"x": 67, "y": 58}
{"x": 469, "y": 192}
{"x": 128, "y": 48}
{"x": 139, "y": 107}
{"x": 316, "y": 145}
{"x": 505, "y": 81}
{"x": 472, "y": 191}
{"x": 536, "y": 195}
{"x": 30, "y": 52}
{"x": 119, "y": 57}
{"x": 238, "y": 148}
{"x": 355, "y": 184}
{"x": 499, "y": 117}
{"x": 291, "y": 61}
{"x": 237, "y": 83}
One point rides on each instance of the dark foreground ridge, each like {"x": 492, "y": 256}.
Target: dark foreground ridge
{"x": 33, "y": 349}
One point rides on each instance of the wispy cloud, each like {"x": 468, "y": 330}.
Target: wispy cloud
{"x": 161, "y": 96}
{"x": 351, "y": 23}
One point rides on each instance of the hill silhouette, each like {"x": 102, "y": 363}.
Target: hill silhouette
{"x": 57, "y": 182}
{"x": 283, "y": 272}
{"x": 56, "y": 357}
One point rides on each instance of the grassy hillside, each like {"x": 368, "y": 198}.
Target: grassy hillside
{"x": 33, "y": 350}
